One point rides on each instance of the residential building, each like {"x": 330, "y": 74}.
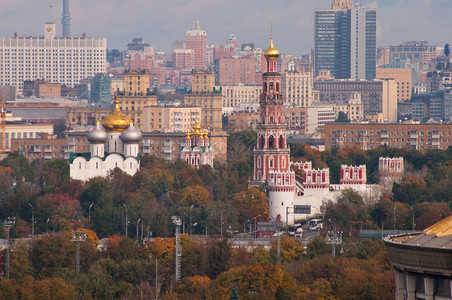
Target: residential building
{"x": 208, "y": 98}
{"x": 196, "y": 39}
{"x": 184, "y": 59}
{"x": 345, "y": 41}
{"x": 234, "y": 71}
{"x": 85, "y": 116}
{"x": 432, "y": 106}
{"x": 377, "y": 96}
{"x": 44, "y": 146}
{"x": 202, "y": 81}
{"x": 371, "y": 136}
{"x": 234, "y": 95}
{"x": 417, "y": 51}
{"x": 170, "y": 118}
{"x": 136, "y": 96}
{"x": 297, "y": 88}
{"x": 22, "y": 130}
{"x": 64, "y": 60}
{"x": 403, "y": 77}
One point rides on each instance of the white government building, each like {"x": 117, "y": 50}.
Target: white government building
{"x": 114, "y": 144}
{"x": 57, "y": 59}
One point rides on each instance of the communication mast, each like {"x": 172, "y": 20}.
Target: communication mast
{"x": 3, "y": 126}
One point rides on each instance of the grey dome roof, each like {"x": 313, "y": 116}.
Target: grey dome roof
{"x": 131, "y": 135}
{"x": 97, "y": 135}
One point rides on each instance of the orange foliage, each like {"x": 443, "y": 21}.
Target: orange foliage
{"x": 7, "y": 170}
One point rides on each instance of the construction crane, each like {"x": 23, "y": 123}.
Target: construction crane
{"x": 3, "y": 126}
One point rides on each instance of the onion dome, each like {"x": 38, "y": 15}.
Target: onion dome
{"x": 196, "y": 128}
{"x": 187, "y": 135}
{"x": 205, "y": 134}
{"x": 116, "y": 121}
{"x": 271, "y": 53}
{"x": 97, "y": 135}
{"x": 131, "y": 135}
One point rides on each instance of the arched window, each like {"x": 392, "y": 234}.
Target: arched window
{"x": 271, "y": 119}
{"x": 281, "y": 142}
{"x": 97, "y": 165}
{"x": 261, "y": 142}
{"x": 277, "y": 87}
{"x": 131, "y": 165}
{"x": 271, "y": 142}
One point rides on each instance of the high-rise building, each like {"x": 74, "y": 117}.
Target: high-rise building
{"x": 64, "y": 60}
{"x": 100, "y": 89}
{"x": 345, "y": 41}
{"x": 196, "y": 39}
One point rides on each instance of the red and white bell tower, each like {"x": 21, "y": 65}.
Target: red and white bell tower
{"x": 271, "y": 152}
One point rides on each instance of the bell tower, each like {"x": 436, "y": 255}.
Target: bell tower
{"x": 271, "y": 152}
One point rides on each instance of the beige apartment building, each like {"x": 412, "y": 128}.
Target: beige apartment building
{"x": 170, "y": 118}
{"x": 136, "y": 96}
{"x": 20, "y": 130}
{"x": 403, "y": 78}
{"x": 233, "y": 95}
{"x": 297, "y": 88}
{"x": 208, "y": 98}
{"x": 85, "y": 116}
{"x": 45, "y": 146}
{"x": 233, "y": 71}
{"x": 370, "y": 136}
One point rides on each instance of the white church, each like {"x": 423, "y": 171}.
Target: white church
{"x": 113, "y": 144}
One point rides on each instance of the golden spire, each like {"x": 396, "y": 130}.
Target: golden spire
{"x": 187, "y": 135}
{"x": 205, "y": 134}
{"x": 271, "y": 53}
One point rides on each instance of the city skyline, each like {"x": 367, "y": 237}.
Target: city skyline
{"x": 120, "y": 21}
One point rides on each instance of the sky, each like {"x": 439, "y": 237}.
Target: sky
{"x": 160, "y": 22}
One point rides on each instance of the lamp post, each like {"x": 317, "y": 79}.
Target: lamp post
{"x": 138, "y": 222}
{"x": 8, "y": 223}
{"x": 47, "y": 225}
{"x": 127, "y": 221}
{"x": 191, "y": 230}
{"x": 32, "y": 220}
{"x": 177, "y": 221}
{"x": 77, "y": 237}
{"x": 244, "y": 225}
{"x": 412, "y": 209}
{"x": 255, "y": 226}
{"x": 394, "y": 217}
{"x": 89, "y": 216}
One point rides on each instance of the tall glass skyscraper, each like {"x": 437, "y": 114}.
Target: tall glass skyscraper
{"x": 345, "y": 42}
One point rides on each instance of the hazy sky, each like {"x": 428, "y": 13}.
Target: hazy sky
{"x": 160, "y": 22}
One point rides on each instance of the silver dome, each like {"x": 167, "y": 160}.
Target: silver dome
{"x": 131, "y": 135}
{"x": 97, "y": 135}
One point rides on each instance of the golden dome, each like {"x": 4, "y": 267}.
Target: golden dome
{"x": 116, "y": 121}
{"x": 187, "y": 136}
{"x": 205, "y": 134}
{"x": 271, "y": 53}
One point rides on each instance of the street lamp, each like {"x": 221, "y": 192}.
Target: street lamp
{"x": 191, "y": 230}
{"x": 32, "y": 221}
{"x": 138, "y": 222}
{"x": 125, "y": 206}
{"x": 394, "y": 217}
{"x": 412, "y": 209}
{"x": 8, "y": 223}
{"x": 89, "y": 216}
{"x": 334, "y": 238}
{"x": 47, "y": 225}
{"x": 177, "y": 221}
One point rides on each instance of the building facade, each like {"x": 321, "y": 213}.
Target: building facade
{"x": 64, "y": 60}
{"x": 196, "y": 39}
{"x": 46, "y": 146}
{"x": 297, "y": 88}
{"x": 394, "y": 135}
{"x": 234, "y": 71}
{"x": 23, "y": 130}
{"x": 234, "y": 95}
{"x": 197, "y": 150}
{"x": 345, "y": 41}
{"x": 170, "y": 118}
{"x": 403, "y": 77}
{"x": 416, "y": 51}
{"x": 377, "y": 96}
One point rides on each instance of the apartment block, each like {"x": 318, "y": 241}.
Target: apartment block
{"x": 169, "y": 118}
{"x": 234, "y": 71}
{"x": 403, "y": 78}
{"x": 45, "y": 146}
{"x": 21, "y": 130}
{"x": 394, "y": 135}
{"x": 234, "y": 95}
{"x": 297, "y": 88}
{"x": 85, "y": 116}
